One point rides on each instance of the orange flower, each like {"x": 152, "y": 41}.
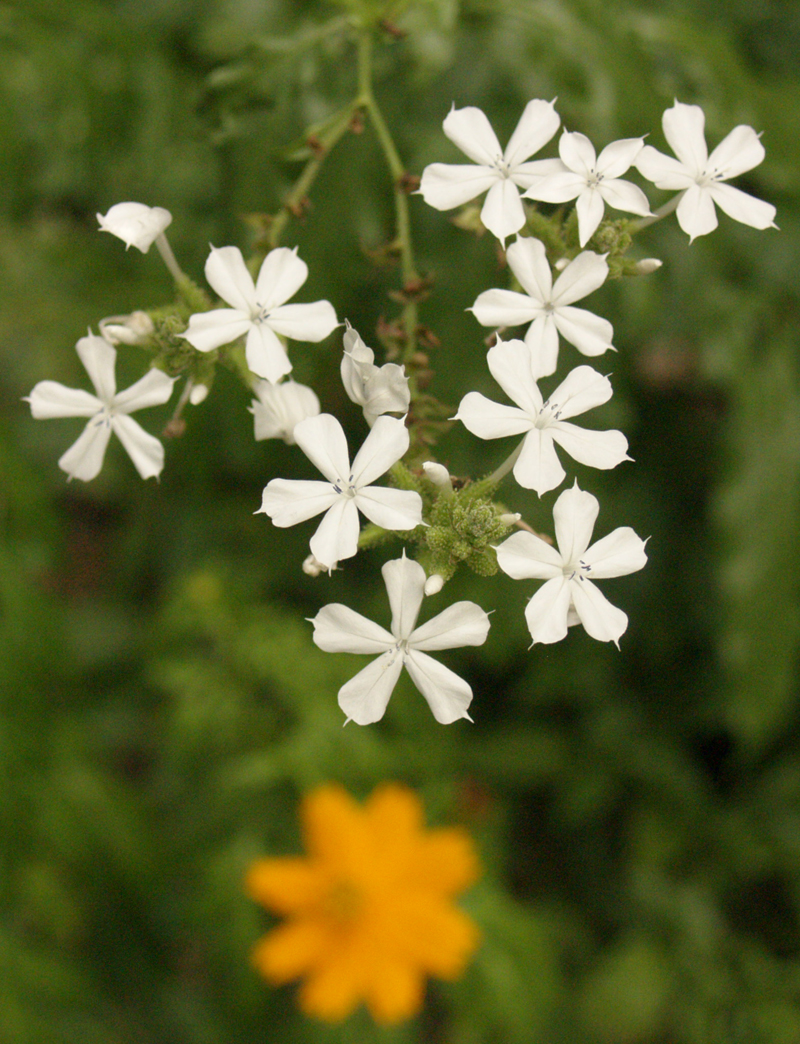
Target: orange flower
{"x": 369, "y": 911}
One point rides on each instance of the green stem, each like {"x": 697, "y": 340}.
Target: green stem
{"x": 662, "y": 212}
{"x": 366, "y": 98}
{"x": 500, "y": 472}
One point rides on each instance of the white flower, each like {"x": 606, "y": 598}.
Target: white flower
{"x": 594, "y": 180}
{"x": 544, "y": 423}
{"x": 126, "y": 329}
{"x": 348, "y": 489}
{"x": 280, "y": 407}
{"x": 258, "y": 310}
{"x": 107, "y": 411}
{"x": 364, "y": 698}
{"x": 445, "y": 185}
{"x": 377, "y": 389}
{"x": 700, "y": 177}
{"x": 548, "y": 305}
{"x": 135, "y": 224}
{"x": 569, "y": 596}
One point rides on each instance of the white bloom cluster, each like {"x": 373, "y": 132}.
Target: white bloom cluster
{"x": 547, "y": 284}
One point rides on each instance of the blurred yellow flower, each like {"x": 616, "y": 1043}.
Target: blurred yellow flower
{"x": 369, "y": 911}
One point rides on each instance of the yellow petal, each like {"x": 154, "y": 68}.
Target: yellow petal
{"x": 445, "y": 861}
{"x": 285, "y": 885}
{"x": 291, "y": 950}
{"x": 394, "y": 991}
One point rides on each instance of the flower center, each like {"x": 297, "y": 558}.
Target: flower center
{"x": 708, "y": 177}
{"x": 346, "y": 489}
{"x": 549, "y": 413}
{"x": 577, "y": 572}
{"x": 594, "y": 179}
{"x": 261, "y": 314}
{"x": 342, "y": 902}
{"x": 502, "y": 168}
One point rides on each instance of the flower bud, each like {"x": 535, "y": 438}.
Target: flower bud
{"x": 135, "y": 224}
{"x": 510, "y": 518}
{"x": 438, "y": 474}
{"x": 648, "y": 265}
{"x": 127, "y": 329}
{"x": 434, "y": 584}
{"x": 376, "y": 389}
{"x": 198, "y": 394}
{"x": 312, "y": 567}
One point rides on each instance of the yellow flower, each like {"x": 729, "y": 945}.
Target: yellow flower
{"x": 369, "y": 911}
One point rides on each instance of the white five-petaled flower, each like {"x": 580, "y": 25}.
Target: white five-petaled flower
{"x": 569, "y": 596}
{"x": 376, "y": 389}
{"x": 348, "y": 489}
{"x": 135, "y": 224}
{"x": 594, "y": 180}
{"x": 446, "y": 185}
{"x": 548, "y": 305}
{"x": 700, "y": 177}
{"x": 107, "y": 411}
{"x": 259, "y": 310}
{"x": 543, "y": 422}
{"x": 364, "y": 698}
{"x": 280, "y": 407}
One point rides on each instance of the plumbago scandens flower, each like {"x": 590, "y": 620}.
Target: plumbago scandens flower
{"x": 700, "y": 177}
{"x": 347, "y": 490}
{"x": 549, "y": 305}
{"x": 280, "y": 407}
{"x": 445, "y": 186}
{"x": 369, "y": 910}
{"x": 594, "y": 180}
{"x": 364, "y": 698}
{"x": 107, "y": 411}
{"x": 543, "y": 422}
{"x": 135, "y": 224}
{"x": 376, "y": 389}
{"x": 258, "y": 310}
{"x": 569, "y": 596}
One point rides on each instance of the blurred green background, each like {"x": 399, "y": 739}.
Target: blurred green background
{"x": 163, "y": 706}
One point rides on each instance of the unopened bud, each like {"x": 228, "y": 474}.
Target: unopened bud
{"x": 313, "y": 567}
{"x": 198, "y": 394}
{"x": 561, "y": 264}
{"x": 510, "y": 518}
{"x": 648, "y": 265}
{"x": 434, "y": 584}
{"x": 438, "y": 474}
{"x": 127, "y": 329}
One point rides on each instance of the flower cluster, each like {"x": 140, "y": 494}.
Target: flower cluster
{"x": 369, "y": 911}
{"x": 389, "y": 481}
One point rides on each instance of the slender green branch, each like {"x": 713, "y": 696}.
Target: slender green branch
{"x": 500, "y": 472}
{"x": 662, "y": 212}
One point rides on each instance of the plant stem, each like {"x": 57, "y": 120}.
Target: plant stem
{"x": 662, "y": 212}
{"x": 167, "y": 256}
{"x": 503, "y": 470}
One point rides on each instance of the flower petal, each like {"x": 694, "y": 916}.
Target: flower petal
{"x": 145, "y": 450}
{"x": 286, "y": 885}
{"x": 289, "y": 501}
{"x": 463, "y": 623}
{"x": 684, "y": 129}
{"x": 624, "y": 195}
{"x": 546, "y": 613}
{"x": 741, "y": 206}
{"x": 618, "y": 554}
{"x": 582, "y": 389}
{"x": 590, "y": 208}
{"x": 524, "y": 556}
{"x": 491, "y": 420}
{"x": 405, "y": 583}
{"x": 618, "y": 157}
{"x": 664, "y": 171}
{"x": 99, "y": 359}
{"x": 323, "y": 441}
{"x": 364, "y": 698}
{"x": 696, "y": 214}
{"x": 527, "y": 259}
{"x": 537, "y": 125}
{"x": 291, "y": 949}
{"x": 587, "y": 272}
{"x": 577, "y": 153}
{"x": 590, "y": 333}
{"x": 265, "y": 354}
{"x": 210, "y": 330}
{"x": 84, "y": 459}
{"x": 154, "y": 389}
{"x": 50, "y": 399}
{"x": 227, "y": 273}
{"x": 511, "y": 363}
{"x": 135, "y": 224}
{"x": 601, "y": 620}
{"x": 470, "y": 130}
{"x": 446, "y": 185}
{"x": 304, "y": 322}
{"x": 574, "y": 514}
{"x": 390, "y": 508}
{"x": 448, "y": 695}
{"x": 557, "y": 187}
{"x": 598, "y": 449}
{"x": 538, "y": 466}
{"x": 542, "y": 340}
{"x": 741, "y": 150}
{"x": 384, "y": 446}
{"x": 529, "y": 175}
{"x": 339, "y": 629}
{"x": 505, "y": 308}
{"x": 281, "y": 275}
{"x": 337, "y": 534}
{"x": 503, "y": 213}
